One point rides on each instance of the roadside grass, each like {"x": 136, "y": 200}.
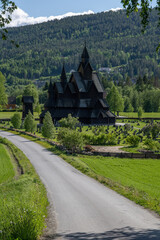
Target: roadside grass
{"x": 23, "y": 202}
{"x": 136, "y": 179}
{"x": 6, "y": 168}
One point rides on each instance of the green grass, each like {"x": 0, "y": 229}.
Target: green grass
{"x": 4, "y": 115}
{"x": 6, "y": 167}
{"x": 23, "y": 202}
{"x": 144, "y": 115}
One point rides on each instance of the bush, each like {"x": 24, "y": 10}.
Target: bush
{"x": 100, "y": 139}
{"x": 133, "y": 140}
{"x": 140, "y": 112}
{"x": 127, "y": 126}
{"x": 48, "y": 127}
{"x": 69, "y": 122}
{"x": 16, "y": 120}
{"x": 71, "y": 139}
{"x": 152, "y": 145}
{"x": 29, "y": 123}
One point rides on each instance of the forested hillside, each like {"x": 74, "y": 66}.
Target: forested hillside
{"x": 113, "y": 41}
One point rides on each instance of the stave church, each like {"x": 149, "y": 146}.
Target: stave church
{"x": 83, "y": 96}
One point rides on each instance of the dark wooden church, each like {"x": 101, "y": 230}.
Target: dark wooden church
{"x": 83, "y": 96}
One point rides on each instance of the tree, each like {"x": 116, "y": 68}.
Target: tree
{"x": 16, "y": 120}
{"x": 71, "y": 139}
{"x": 3, "y": 95}
{"x": 29, "y": 123}
{"x": 31, "y": 90}
{"x": 115, "y": 100}
{"x": 48, "y": 127}
{"x": 140, "y": 112}
{"x": 7, "y": 8}
{"x": 69, "y": 122}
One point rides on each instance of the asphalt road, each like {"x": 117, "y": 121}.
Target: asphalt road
{"x": 85, "y": 209}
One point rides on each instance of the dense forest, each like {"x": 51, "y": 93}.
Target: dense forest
{"x": 113, "y": 40}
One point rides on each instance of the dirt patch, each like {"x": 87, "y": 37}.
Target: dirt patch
{"x": 113, "y": 149}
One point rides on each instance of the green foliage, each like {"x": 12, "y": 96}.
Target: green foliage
{"x": 140, "y": 112}
{"x": 133, "y": 140}
{"x": 36, "y": 59}
{"x": 3, "y": 96}
{"x": 69, "y": 122}
{"x": 16, "y": 120}
{"x": 23, "y": 202}
{"x": 100, "y": 139}
{"x": 155, "y": 130}
{"x": 115, "y": 100}
{"x": 48, "y": 127}
{"x": 144, "y": 12}
{"x": 29, "y": 123}
{"x": 7, "y": 8}
{"x": 152, "y": 145}
{"x": 31, "y": 90}
{"x": 71, "y": 139}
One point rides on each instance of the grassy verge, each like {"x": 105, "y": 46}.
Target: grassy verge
{"x": 6, "y": 168}
{"x": 23, "y": 202}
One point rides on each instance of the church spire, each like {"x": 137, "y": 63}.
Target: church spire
{"x": 50, "y": 88}
{"x": 85, "y": 55}
{"x": 63, "y": 76}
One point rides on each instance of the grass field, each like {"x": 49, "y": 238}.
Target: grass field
{"x": 144, "y": 115}
{"x": 4, "y": 115}
{"x": 6, "y": 167}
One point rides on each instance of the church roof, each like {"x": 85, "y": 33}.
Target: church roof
{"x": 79, "y": 81}
{"x": 27, "y": 99}
{"x": 97, "y": 82}
{"x": 59, "y": 87}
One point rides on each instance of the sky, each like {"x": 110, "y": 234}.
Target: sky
{"x": 37, "y": 11}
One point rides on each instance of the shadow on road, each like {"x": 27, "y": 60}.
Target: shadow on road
{"x": 126, "y": 233}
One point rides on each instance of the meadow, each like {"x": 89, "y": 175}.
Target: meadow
{"x": 23, "y": 200}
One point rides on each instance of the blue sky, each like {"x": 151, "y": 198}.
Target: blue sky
{"x": 47, "y": 8}
{"x": 37, "y": 11}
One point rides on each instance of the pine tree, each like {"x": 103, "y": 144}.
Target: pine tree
{"x": 48, "y": 126}
{"x": 16, "y": 120}
{"x": 3, "y": 95}
{"x": 29, "y": 123}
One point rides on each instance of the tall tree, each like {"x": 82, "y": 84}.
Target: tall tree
{"x": 115, "y": 100}
{"x": 3, "y": 95}
{"x": 31, "y": 90}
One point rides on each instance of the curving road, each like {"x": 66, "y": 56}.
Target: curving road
{"x": 85, "y": 209}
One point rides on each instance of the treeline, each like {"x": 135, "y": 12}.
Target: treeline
{"x": 113, "y": 41}
{"x": 130, "y": 97}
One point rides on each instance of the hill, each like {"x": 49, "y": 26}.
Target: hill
{"x": 113, "y": 40}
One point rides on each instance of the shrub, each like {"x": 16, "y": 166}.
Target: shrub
{"x": 16, "y": 120}
{"x": 155, "y": 130}
{"x": 71, "y": 139}
{"x": 152, "y": 145}
{"x": 69, "y": 122}
{"x": 127, "y": 126}
{"x": 29, "y": 123}
{"x": 48, "y": 127}
{"x": 133, "y": 140}
{"x": 140, "y": 112}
